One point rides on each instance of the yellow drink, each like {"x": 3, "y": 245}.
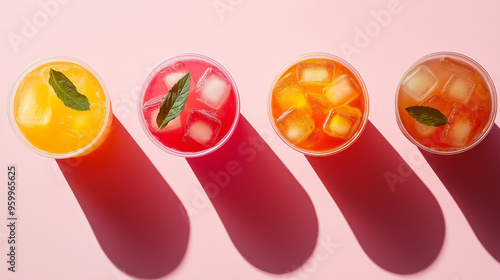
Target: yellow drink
{"x": 46, "y": 124}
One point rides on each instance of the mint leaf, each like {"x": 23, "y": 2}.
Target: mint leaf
{"x": 427, "y": 115}
{"x": 174, "y": 102}
{"x": 67, "y": 92}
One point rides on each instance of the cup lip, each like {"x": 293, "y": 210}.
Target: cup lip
{"x": 488, "y": 81}
{"x": 13, "y": 91}
{"x": 161, "y": 65}
{"x": 364, "y": 120}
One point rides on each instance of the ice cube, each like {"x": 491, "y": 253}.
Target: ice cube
{"x": 343, "y": 90}
{"x": 202, "y": 127}
{"x": 315, "y": 73}
{"x": 341, "y": 123}
{"x": 482, "y": 116}
{"x": 313, "y": 138}
{"x": 172, "y": 124}
{"x": 350, "y": 111}
{"x": 172, "y": 74}
{"x": 213, "y": 88}
{"x": 64, "y": 125}
{"x": 458, "y": 132}
{"x": 32, "y": 106}
{"x": 78, "y": 125}
{"x": 154, "y": 102}
{"x": 98, "y": 109}
{"x": 459, "y": 89}
{"x": 481, "y": 93}
{"x": 73, "y": 125}
{"x": 455, "y": 66}
{"x": 437, "y": 102}
{"x": 424, "y": 130}
{"x": 419, "y": 83}
{"x": 319, "y": 105}
{"x": 295, "y": 124}
{"x": 289, "y": 94}
{"x": 291, "y": 97}
{"x": 151, "y": 109}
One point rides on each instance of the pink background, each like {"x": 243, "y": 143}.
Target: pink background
{"x": 334, "y": 218}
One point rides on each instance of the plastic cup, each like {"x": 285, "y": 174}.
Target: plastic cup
{"x": 198, "y": 66}
{"x": 75, "y": 146}
{"x": 481, "y": 106}
{"x": 330, "y": 145}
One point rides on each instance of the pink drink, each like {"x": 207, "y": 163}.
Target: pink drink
{"x": 460, "y": 89}
{"x": 211, "y": 111}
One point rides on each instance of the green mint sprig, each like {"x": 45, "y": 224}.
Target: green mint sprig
{"x": 67, "y": 92}
{"x": 174, "y": 102}
{"x": 427, "y": 115}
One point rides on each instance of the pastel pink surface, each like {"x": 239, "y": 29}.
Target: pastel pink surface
{"x": 60, "y": 239}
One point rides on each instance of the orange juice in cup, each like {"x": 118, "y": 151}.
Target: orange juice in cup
{"x": 60, "y": 108}
{"x": 446, "y": 103}
{"x": 318, "y": 104}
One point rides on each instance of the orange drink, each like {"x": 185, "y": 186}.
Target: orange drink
{"x": 446, "y": 103}
{"x": 318, "y": 104}
{"x": 59, "y": 107}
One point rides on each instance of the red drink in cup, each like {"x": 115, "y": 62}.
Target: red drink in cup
{"x": 204, "y": 113}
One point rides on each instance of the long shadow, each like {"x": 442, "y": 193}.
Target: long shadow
{"x": 137, "y": 219}
{"x": 266, "y": 212}
{"x": 473, "y": 180}
{"x": 393, "y": 215}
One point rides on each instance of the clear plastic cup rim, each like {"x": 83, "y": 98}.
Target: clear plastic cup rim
{"x": 364, "y": 120}
{"x": 13, "y": 92}
{"x": 166, "y": 62}
{"x": 489, "y": 83}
